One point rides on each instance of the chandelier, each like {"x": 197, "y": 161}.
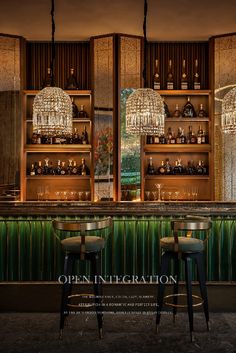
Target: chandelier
{"x": 228, "y": 122}
{"x": 52, "y": 107}
{"x": 145, "y": 107}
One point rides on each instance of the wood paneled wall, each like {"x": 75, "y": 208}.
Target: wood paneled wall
{"x": 68, "y": 55}
{"x": 177, "y": 52}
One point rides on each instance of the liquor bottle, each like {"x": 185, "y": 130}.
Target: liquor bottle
{"x": 199, "y": 168}
{"x": 149, "y": 140}
{"x": 76, "y": 137}
{"x": 74, "y": 169}
{"x": 51, "y": 170}
{"x": 156, "y": 139}
{"x": 177, "y": 112}
{"x": 84, "y": 137}
{"x": 179, "y": 168}
{"x": 161, "y": 168}
{"x": 46, "y": 167}
{"x": 170, "y": 79}
{"x": 178, "y": 137}
{"x": 189, "y": 110}
{"x": 32, "y": 170}
{"x": 176, "y": 170}
{"x": 69, "y": 167}
{"x": 193, "y": 139}
{"x": 57, "y": 139}
{"x": 75, "y": 110}
{"x": 162, "y": 139}
{"x": 196, "y": 80}
{"x": 183, "y": 137}
{"x": 82, "y": 113}
{"x": 63, "y": 138}
{"x": 184, "y": 79}
{"x": 39, "y": 138}
{"x": 169, "y": 135}
{"x": 202, "y": 113}
{"x": 204, "y": 137}
{"x": 199, "y": 135}
{"x": 173, "y": 139}
{"x": 83, "y": 169}
{"x": 47, "y": 82}
{"x": 71, "y": 82}
{"x": 190, "y": 169}
{"x": 156, "y": 76}
{"x": 39, "y": 168}
{"x": 58, "y": 168}
{"x": 150, "y": 168}
{"x": 63, "y": 168}
{"x": 69, "y": 139}
{"x": 168, "y": 168}
{"x": 166, "y": 110}
{"x": 34, "y": 138}
{"x": 205, "y": 169}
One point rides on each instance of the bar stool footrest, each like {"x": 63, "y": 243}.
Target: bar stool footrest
{"x": 182, "y": 305}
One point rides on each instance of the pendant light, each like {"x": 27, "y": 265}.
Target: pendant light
{"x": 144, "y": 107}
{"x": 228, "y": 122}
{"x": 52, "y": 107}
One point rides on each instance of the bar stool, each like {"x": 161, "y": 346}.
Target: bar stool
{"x": 186, "y": 248}
{"x": 84, "y": 246}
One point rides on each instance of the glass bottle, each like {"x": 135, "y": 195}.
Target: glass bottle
{"x": 71, "y": 82}
{"x": 39, "y": 168}
{"x": 162, "y": 139}
{"x": 168, "y": 168}
{"x": 83, "y": 169}
{"x": 75, "y": 109}
{"x": 199, "y": 168}
{"x": 173, "y": 139}
{"x": 63, "y": 168}
{"x": 189, "y": 110}
{"x": 156, "y": 76}
{"x": 149, "y": 139}
{"x": 178, "y": 137}
{"x": 156, "y": 139}
{"x": 184, "y": 79}
{"x": 190, "y": 169}
{"x": 46, "y": 167}
{"x": 76, "y": 137}
{"x": 74, "y": 169}
{"x": 202, "y": 113}
{"x": 204, "y": 137}
{"x": 51, "y": 170}
{"x": 169, "y": 135}
{"x": 161, "y": 168}
{"x": 196, "y": 79}
{"x": 32, "y": 170}
{"x": 193, "y": 139}
{"x": 166, "y": 110}
{"x": 199, "y": 135}
{"x": 82, "y": 112}
{"x": 170, "y": 79}
{"x": 205, "y": 169}
{"x": 34, "y": 138}
{"x": 177, "y": 112}
{"x": 47, "y": 82}
{"x": 58, "y": 168}
{"x": 69, "y": 167}
{"x": 84, "y": 137}
{"x": 150, "y": 168}
{"x": 183, "y": 137}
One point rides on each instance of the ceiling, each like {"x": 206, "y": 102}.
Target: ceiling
{"x": 168, "y": 20}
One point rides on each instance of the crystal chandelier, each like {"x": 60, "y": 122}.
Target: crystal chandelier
{"x": 228, "y": 122}
{"x": 144, "y": 107}
{"x": 52, "y": 107}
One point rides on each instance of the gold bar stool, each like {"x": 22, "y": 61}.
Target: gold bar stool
{"x": 84, "y": 246}
{"x": 186, "y": 248}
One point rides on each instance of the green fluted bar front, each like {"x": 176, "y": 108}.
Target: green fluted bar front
{"x": 31, "y": 251}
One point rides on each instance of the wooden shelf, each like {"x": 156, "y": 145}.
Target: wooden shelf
{"x": 82, "y": 120}
{"x": 183, "y": 119}
{"x": 177, "y": 148}
{"x": 192, "y": 92}
{"x": 177, "y": 177}
{"x": 70, "y": 92}
{"x": 56, "y": 177}
{"x": 38, "y": 148}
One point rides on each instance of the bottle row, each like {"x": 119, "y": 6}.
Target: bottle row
{"x": 186, "y": 81}
{"x": 166, "y": 168}
{"x": 201, "y": 137}
{"x": 188, "y": 111}
{"x": 60, "y": 169}
{"x": 74, "y": 138}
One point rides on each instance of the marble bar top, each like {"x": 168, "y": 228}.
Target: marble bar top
{"x": 174, "y": 208}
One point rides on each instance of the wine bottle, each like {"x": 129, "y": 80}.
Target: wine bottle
{"x": 150, "y": 168}
{"x": 177, "y": 112}
{"x": 189, "y": 110}
{"x": 161, "y": 168}
{"x": 83, "y": 169}
{"x": 178, "y": 137}
{"x": 170, "y": 79}
{"x": 71, "y": 83}
{"x": 75, "y": 109}
{"x": 196, "y": 80}
{"x": 199, "y": 135}
{"x": 184, "y": 80}
{"x": 156, "y": 76}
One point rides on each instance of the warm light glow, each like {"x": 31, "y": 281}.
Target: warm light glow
{"x": 52, "y": 111}
{"x": 228, "y": 120}
{"x": 145, "y": 113}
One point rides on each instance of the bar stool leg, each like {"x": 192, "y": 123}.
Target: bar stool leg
{"x": 66, "y": 290}
{"x": 202, "y": 284}
{"x": 188, "y": 279}
{"x": 161, "y": 288}
{"x": 176, "y": 285}
{"x": 97, "y": 283}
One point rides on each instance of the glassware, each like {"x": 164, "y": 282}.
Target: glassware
{"x": 147, "y": 195}
{"x": 158, "y": 186}
{"x": 40, "y": 193}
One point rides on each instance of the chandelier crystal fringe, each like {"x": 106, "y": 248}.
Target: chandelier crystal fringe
{"x": 145, "y": 113}
{"x": 228, "y": 121}
{"x": 52, "y": 111}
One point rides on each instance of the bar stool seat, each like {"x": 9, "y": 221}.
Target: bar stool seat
{"x": 189, "y": 250}
{"x": 84, "y": 246}
{"x": 184, "y": 244}
{"x": 92, "y": 244}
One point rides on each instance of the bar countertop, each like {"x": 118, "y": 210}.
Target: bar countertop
{"x": 34, "y": 208}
